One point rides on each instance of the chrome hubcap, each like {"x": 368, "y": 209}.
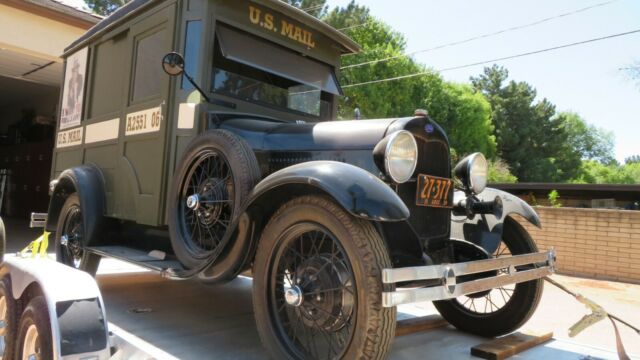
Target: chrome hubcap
{"x": 64, "y": 240}
{"x": 193, "y": 202}
{"x": 293, "y": 296}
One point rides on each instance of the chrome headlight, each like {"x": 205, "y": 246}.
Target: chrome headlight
{"x": 397, "y": 155}
{"x": 472, "y": 171}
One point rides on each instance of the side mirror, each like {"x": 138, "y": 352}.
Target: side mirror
{"x": 173, "y": 64}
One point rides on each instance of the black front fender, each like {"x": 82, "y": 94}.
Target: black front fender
{"x": 486, "y": 230}
{"x": 356, "y": 190}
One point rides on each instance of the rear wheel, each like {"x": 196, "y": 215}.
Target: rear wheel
{"x": 504, "y": 309}
{"x": 217, "y": 172}
{"x": 71, "y": 241}
{"x": 317, "y": 284}
{"x": 34, "y": 335}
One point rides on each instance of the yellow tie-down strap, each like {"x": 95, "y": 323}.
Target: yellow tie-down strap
{"x": 37, "y": 247}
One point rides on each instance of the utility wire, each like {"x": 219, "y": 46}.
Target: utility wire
{"x": 313, "y": 7}
{"x": 459, "y": 42}
{"x": 495, "y": 60}
{"x": 354, "y": 26}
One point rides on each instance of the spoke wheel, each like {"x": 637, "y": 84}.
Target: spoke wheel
{"x": 213, "y": 179}
{"x": 317, "y": 284}
{"x": 501, "y": 310}
{"x": 208, "y": 205}
{"x": 493, "y": 300}
{"x": 71, "y": 239}
{"x": 313, "y": 294}
{"x": 71, "y": 249}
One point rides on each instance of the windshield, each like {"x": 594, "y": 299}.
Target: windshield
{"x": 257, "y": 71}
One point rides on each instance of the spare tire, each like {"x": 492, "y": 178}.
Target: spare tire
{"x": 214, "y": 177}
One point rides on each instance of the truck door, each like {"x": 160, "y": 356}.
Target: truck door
{"x": 143, "y": 142}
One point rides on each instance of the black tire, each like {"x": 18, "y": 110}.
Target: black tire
{"x": 221, "y": 190}
{"x": 516, "y": 309}
{"x": 361, "y": 327}
{"x": 70, "y": 227}
{"x": 9, "y": 312}
{"x": 35, "y": 317}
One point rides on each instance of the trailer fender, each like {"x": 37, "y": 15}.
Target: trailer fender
{"x": 485, "y": 230}
{"x": 75, "y": 306}
{"x": 88, "y": 182}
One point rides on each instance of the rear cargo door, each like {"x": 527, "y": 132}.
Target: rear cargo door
{"x": 144, "y": 133}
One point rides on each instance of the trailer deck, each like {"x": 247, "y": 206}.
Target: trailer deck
{"x": 189, "y": 320}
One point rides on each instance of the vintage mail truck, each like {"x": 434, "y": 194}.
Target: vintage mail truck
{"x": 198, "y": 138}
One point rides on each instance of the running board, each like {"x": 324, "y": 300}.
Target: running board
{"x": 538, "y": 265}
{"x": 136, "y": 257}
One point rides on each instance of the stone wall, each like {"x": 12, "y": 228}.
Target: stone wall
{"x": 595, "y": 243}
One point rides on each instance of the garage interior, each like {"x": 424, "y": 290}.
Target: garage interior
{"x": 33, "y": 35}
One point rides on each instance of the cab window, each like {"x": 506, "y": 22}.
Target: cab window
{"x": 255, "y": 70}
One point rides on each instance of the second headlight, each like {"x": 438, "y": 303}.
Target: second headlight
{"x": 397, "y": 155}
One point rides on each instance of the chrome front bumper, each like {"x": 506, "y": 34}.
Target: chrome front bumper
{"x": 540, "y": 264}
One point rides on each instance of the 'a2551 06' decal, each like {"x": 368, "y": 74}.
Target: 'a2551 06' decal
{"x": 145, "y": 121}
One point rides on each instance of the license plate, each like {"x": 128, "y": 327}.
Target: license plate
{"x": 434, "y": 191}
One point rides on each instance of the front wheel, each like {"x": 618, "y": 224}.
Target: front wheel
{"x": 317, "y": 284}
{"x": 501, "y": 310}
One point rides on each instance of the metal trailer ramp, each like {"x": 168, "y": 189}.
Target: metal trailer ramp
{"x": 189, "y": 320}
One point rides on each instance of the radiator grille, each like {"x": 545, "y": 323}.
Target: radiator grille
{"x": 428, "y": 222}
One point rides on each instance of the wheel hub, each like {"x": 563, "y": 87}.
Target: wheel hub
{"x": 293, "y": 296}
{"x": 193, "y": 202}
{"x": 326, "y": 305}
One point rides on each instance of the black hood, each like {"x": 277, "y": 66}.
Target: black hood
{"x": 265, "y": 135}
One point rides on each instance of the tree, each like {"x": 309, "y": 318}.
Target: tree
{"x": 593, "y": 172}
{"x": 590, "y": 142}
{"x": 462, "y": 113}
{"x": 466, "y": 116}
{"x": 530, "y": 139}
{"x": 105, "y": 7}
{"x": 378, "y": 41}
{"x": 633, "y": 159}
{"x": 499, "y": 172}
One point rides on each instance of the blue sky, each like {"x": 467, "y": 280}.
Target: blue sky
{"x": 584, "y": 79}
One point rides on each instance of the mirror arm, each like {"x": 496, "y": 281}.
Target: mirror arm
{"x": 204, "y": 95}
{"x": 192, "y": 82}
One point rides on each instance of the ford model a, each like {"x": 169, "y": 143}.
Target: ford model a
{"x": 231, "y": 163}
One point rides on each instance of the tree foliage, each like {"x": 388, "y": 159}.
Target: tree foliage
{"x": 530, "y": 138}
{"x": 105, "y": 7}
{"x": 499, "y": 172}
{"x": 590, "y": 142}
{"x": 465, "y": 115}
{"x": 632, "y": 159}
{"x": 593, "y": 172}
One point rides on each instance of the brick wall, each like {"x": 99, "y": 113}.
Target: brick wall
{"x": 595, "y": 243}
